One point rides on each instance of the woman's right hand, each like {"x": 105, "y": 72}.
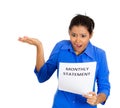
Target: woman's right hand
{"x": 40, "y": 53}
{"x": 32, "y": 41}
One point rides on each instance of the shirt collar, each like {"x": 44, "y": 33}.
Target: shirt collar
{"x": 68, "y": 46}
{"x": 89, "y": 50}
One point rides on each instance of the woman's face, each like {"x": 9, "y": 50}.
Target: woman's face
{"x": 79, "y": 37}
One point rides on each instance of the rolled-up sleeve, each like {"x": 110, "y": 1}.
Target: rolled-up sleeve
{"x": 46, "y": 70}
{"x": 50, "y": 65}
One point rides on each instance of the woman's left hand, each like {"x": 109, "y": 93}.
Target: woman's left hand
{"x": 91, "y": 98}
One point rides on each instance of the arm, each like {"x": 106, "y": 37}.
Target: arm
{"x": 102, "y": 83}
{"x": 40, "y": 53}
{"x": 101, "y": 98}
{"x": 39, "y": 56}
{"x": 94, "y": 99}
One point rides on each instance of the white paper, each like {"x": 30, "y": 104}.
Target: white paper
{"x": 77, "y": 77}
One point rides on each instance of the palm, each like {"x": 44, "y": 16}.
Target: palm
{"x": 29, "y": 40}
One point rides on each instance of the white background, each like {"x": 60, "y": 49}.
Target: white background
{"x": 48, "y": 20}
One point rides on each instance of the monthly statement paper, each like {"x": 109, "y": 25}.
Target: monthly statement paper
{"x": 77, "y": 77}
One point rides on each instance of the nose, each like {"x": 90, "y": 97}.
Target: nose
{"x": 78, "y": 39}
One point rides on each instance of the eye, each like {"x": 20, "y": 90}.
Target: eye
{"x": 83, "y": 35}
{"x": 73, "y": 34}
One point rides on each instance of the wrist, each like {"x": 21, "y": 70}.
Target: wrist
{"x": 100, "y": 98}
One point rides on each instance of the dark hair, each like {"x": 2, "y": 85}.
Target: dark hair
{"x": 84, "y": 21}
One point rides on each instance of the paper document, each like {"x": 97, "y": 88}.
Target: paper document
{"x": 77, "y": 77}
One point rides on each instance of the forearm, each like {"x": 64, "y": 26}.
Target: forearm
{"x": 40, "y": 53}
{"x": 94, "y": 99}
{"x": 100, "y": 98}
{"x": 39, "y": 56}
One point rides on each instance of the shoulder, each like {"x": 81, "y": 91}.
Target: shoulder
{"x": 99, "y": 52}
{"x": 98, "y": 49}
{"x": 94, "y": 51}
{"x": 63, "y": 43}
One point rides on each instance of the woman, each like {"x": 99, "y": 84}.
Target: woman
{"x": 78, "y": 49}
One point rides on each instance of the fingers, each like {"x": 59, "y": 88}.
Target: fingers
{"x": 92, "y": 101}
{"x": 29, "y": 40}
{"x": 92, "y": 94}
{"x": 26, "y": 40}
{"x": 89, "y": 95}
{"x": 23, "y": 39}
{"x": 91, "y": 98}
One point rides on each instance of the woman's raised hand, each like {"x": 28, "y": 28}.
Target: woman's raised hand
{"x": 32, "y": 41}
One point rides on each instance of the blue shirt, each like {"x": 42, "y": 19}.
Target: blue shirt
{"x": 64, "y": 52}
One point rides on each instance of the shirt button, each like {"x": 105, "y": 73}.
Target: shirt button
{"x": 73, "y": 102}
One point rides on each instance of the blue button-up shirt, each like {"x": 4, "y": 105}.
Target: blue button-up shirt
{"x": 64, "y": 52}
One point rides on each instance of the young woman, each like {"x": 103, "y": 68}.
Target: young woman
{"x": 78, "y": 49}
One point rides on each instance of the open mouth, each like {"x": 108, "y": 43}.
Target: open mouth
{"x": 78, "y": 46}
